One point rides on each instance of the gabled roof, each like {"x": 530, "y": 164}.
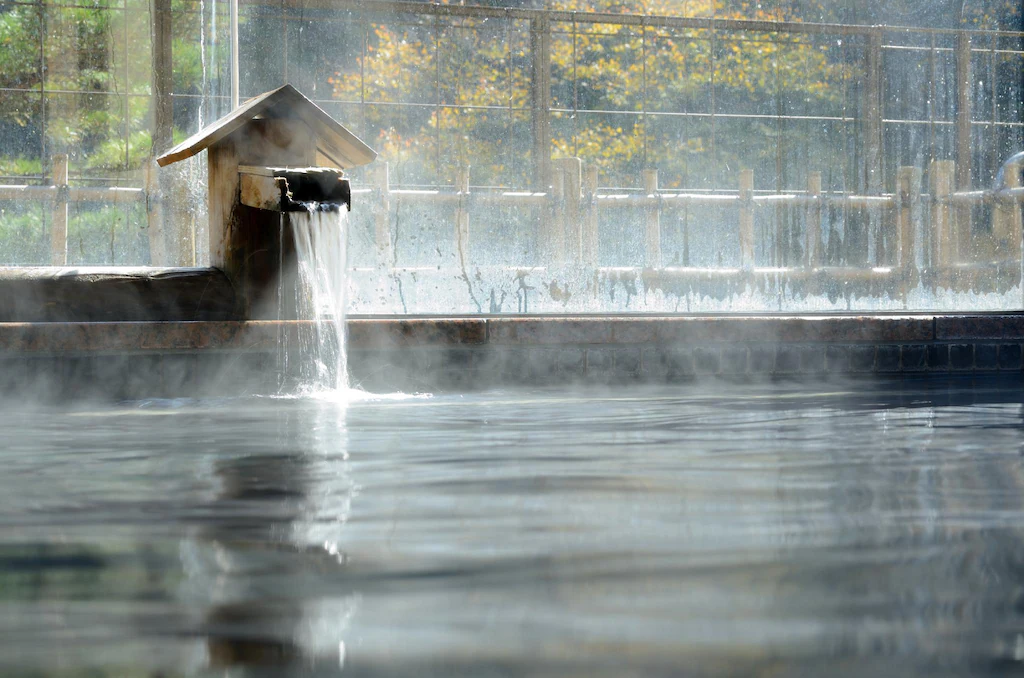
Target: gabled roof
{"x": 332, "y": 139}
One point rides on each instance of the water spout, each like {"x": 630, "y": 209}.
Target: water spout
{"x": 320, "y": 257}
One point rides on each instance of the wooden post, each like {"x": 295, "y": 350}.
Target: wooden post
{"x": 873, "y": 144}
{"x": 908, "y": 216}
{"x": 155, "y": 217}
{"x": 812, "y": 255}
{"x": 963, "y": 111}
{"x": 558, "y": 221}
{"x": 462, "y": 215}
{"x": 540, "y": 96}
{"x": 1006, "y": 219}
{"x": 686, "y": 237}
{"x": 747, "y": 218}
{"x": 165, "y": 248}
{"x": 590, "y": 247}
{"x": 162, "y": 73}
{"x": 382, "y": 217}
{"x": 962, "y": 215}
{"x": 941, "y": 186}
{"x": 652, "y": 219}
{"x": 59, "y": 225}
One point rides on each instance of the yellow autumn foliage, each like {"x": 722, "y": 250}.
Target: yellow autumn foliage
{"x": 464, "y": 85}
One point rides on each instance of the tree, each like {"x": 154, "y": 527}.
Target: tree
{"x": 615, "y": 88}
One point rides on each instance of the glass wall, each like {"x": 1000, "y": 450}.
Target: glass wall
{"x": 563, "y": 156}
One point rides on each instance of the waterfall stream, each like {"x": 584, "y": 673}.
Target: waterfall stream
{"x": 320, "y": 255}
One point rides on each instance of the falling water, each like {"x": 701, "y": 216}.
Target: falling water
{"x": 320, "y": 297}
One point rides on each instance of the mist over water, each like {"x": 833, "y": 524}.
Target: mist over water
{"x": 856, "y": 529}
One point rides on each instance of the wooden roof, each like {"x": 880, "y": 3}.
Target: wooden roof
{"x": 334, "y": 141}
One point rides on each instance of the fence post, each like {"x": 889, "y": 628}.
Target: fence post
{"x": 941, "y": 186}
{"x": 59, "y": 214}
{"x": 908, "y": 215}
{"x": 382, "y": 217}
{"x": 553, "y": 228}
{"x": 565, "y": 190}
{"x": 589, "y": 234}
{"x": 747, "y": 218}
{"x": 652, "y": 220}
{"x": 462, "y": 214}
{"x": 908, "y": 219}
{"x": 1006, "y": 219}
{"x": 812, "y": 255}
{"x": 875, "y": 240}
{"x": 540, "y": 95}
{"x": 162, "y": 74}
{"x": 155, "y": 216}
{"x": 962, "y": 214}
{"x": 963, "y": 111}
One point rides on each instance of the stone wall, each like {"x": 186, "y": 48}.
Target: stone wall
{"x": 128, "y": 360}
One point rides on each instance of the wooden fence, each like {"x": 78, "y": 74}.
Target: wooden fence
{"x": 930, "y": 229}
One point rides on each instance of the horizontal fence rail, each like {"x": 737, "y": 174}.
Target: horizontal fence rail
{"x": 928, "y": 231}
{"x": 571, "y": 215}
{"x": 60, "y": 195}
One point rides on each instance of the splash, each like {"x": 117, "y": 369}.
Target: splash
{"x": 320, "y": 256}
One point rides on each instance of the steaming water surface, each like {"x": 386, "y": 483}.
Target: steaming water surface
{"x": 773, "y": 529}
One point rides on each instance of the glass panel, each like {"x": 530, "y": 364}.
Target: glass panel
{"x": 24, "y": 233}
{"x": 91, "y": 130}
{"x": 679, "y": 75}
{"x": 84, "y": 49}
{"x": 21, "y": 124}
{"x": 262, "y": 48}
{"x": 107, "y": 234}
{"x": 439, "y": 88}
{"x": 406, "y": 137}
{"x": 400, "y": 65}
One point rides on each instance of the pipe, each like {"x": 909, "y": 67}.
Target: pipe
{"x": 233, "y": 4}
{"x": 1013, "y": 164}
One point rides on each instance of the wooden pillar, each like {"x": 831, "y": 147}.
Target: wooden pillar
{"x": 462, "y": 215}
{"x": 59, "y": 213}
{"x": 652, "y": 220}
{"x": 962, "y": 214}
{"x": 590, "y": 240}
{"x": 941, "y": 179}
{"x": 747, "y": 218}
{"x": 908, "y": 216}
{"x": 155, "y": 217}
{"x": 569, "y": 239}
{"x": 812, "y": 255}
{"x": 873, "y": 143}
{"x": 167, "y": 244}
{"x": 540, "y": 100}
{"x": 565, "y": 212}
{"x": 963, "y": 111}
{"x": 382, "y": 217}
{"x": 222, "y": 199}
{"x": 162, "y": 69}
{"x": 1006, "y": 219}
{"x": 908, "y": 222}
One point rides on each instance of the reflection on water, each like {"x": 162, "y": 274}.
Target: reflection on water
{"x": 764, "y": 530}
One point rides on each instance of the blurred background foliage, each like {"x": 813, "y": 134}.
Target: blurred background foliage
{"x": 433, "y": 94}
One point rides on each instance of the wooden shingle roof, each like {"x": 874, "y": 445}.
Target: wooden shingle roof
{"x": 332, "y": 139}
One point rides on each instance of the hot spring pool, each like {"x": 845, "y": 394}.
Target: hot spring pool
{"x": 774, "y": 529}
